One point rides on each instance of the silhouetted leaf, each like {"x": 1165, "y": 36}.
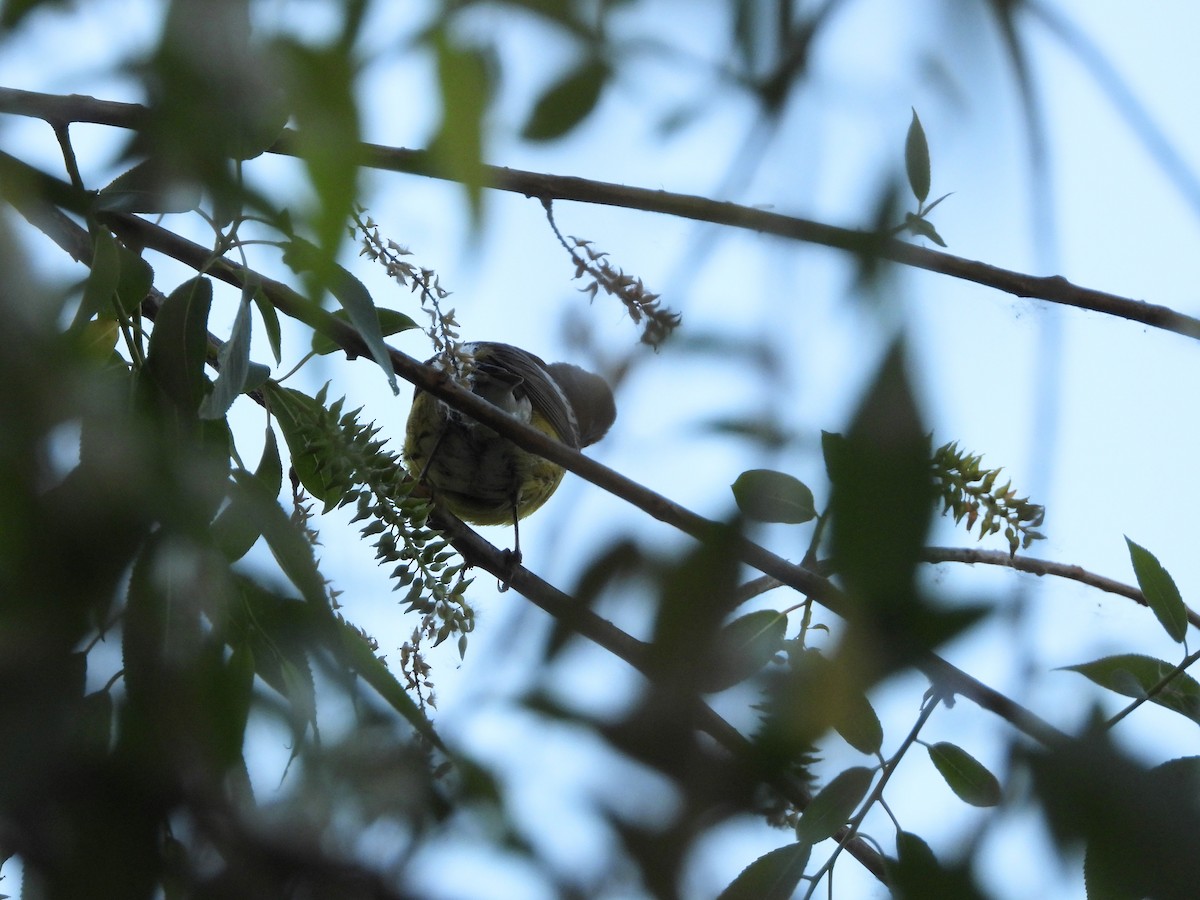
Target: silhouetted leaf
{"x": 743, "y": 647}
{"x": 916, "y": 159}
{"x": 390, "y": 322}
{"x": 1158, "y": 587}
{"x": 965, "y": 775}
{"x": 1134, "y": 675}
{"x": 566, "y": 103}
{"x": 233, "y": 365}
{"x": 769, "y": 496}
{"x": 833, "y": 805}
{"x": 773, "y": 876}
{"x": 179, "y": 344}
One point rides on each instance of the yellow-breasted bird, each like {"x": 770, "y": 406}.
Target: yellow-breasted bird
{"x": 482, "y": 477}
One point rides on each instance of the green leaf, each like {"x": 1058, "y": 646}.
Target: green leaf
{"x": 358, "y": 653}
{"x": 856, "y": 721}
{"x": 390, "y": 322}
{"x": 881, "y": 505}
{"x": 179, "y": 344}
{"x": 769, "y": 496}
{"x": 1158, "y": 587}
{"x": 833, "y": 805}
{"x": 270, "y": 322}
{"x": 103, "y": 276}
{"x": 922, "y": 227}
{"x": 137, "y": 278}
{"x": 1133, "y": 675}
{"x": 967, "y": 777}
{"x": 288, "y": 544}
{"x": 773, "y": 876}
{"x": 148, "y": 188}
{"x": 298, "y": 415}
{"x": 743, "y": 647}
{"x": 457, "y": 146}
{"x": 916, "y": 159}
{"x": 235, "y": 531}
{"x": 233, "y": 365}
{"x": 566, "y": 103}
{"x": 356, "y": 300}
{"x": 917, "y": 875}
{"x": 322, "y": 97}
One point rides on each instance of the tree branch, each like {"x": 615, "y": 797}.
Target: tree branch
{"x": 1054, "y": 289}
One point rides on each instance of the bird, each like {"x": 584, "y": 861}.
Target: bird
{"x": 480, "y": 476}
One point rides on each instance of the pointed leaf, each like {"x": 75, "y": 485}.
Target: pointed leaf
{"x": 297, "y": 415}
{"x": 457, "y": 147}
{"x": 1158, "y": 587}
{"x": 967, "y": 777}
{"x": 743, "y": 647}
{"x": 567, "y": 103}
{"x": 917, "y": 875}
{"x": 233, "y": 365}
{"x": 179, "y": 344}
{"x": 235, "y": 530}
{"x": 769, "y": 496}
{"x": 1134, "y": 675}
{"x": 832, "y": 807}
{"x": 390, "y": 322}
{"x": 104, "y": 274}
{"x": 916, "y": 159}
{"x": 288, "y": 544}
{"x": 773, "y": 876}
{"x": 356, "y": 300}
{"x": 857, "y": 722}
{"x": 270, "y": 322}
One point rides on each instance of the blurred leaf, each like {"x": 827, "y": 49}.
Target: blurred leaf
{"x": 12, "y": 12}
{"x": 98, "y": 339}
{"x": 1139, "y": 824}
{"x": 1134, "y": 675}
{"x": 769, "y": 496}
{"x": 742, "y": 648}
{"x": 881, "y": 504}
{"x": 321, "y": 95}
{"x": 697, "y": 594}
{"x": 917, "y": 875}
{"x": 233, "y": 365}
{"x": 767, "y": 434}
{"x": 356, "y": 300}
{"x": 567, "y": 103}
{"x": 812, "y": 696}
{"x": 965, "y": 775}
{"x": 104, "y": 274}
{"x": 916, "y": 159}
{"x": 773, "y": 876}
{"x": 390, "y": 322}
{"x": 922, "y": 227}
{"x": 288, "y": 544}
{"x": 136, "y": 281}
{"x": 1158, "y": 587}
{"x": 457, "y": 146}
{"x": 179, "y": 344}
{"x": 147, "y": 188}
{"x": 833, "y": 805}
{"x": 235, "y": 531}
{"x": 371, "y": 669}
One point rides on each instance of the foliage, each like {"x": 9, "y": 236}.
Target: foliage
{"x": 165, "y": 613}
